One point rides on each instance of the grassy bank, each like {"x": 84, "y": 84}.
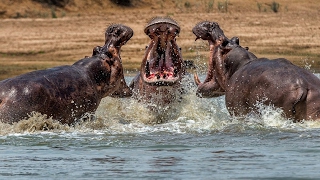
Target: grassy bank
{"x": 272, "y": 29}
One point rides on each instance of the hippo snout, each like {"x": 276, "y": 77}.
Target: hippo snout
{"x": 210, "y": 31}
{"x": 118, "y": 34}
{"x": 201, "y": 30}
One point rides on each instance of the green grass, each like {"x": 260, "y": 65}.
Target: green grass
{"x": 53, "y": 13}
{"x": 187, "y": 4}
{"x": 223, "y": 6}
{"x": 210, "y": 6}
{"x": 259, "y": 5}
{"x": 275, "y": 7}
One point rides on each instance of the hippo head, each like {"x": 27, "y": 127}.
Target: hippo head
{"x": 211, "y": 32}
{"x": 225, "y": 57}
{"x": 116, "y": 36}
{"x": 105, "y": 65}
{"x": 162, "y": 64}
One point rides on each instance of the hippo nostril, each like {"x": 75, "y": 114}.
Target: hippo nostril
{"x": 158, "y": 76}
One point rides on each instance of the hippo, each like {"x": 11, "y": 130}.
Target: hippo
{"x": 67, "y": 93}
{"x": 245, "y": 80}
{"x": 162, "y": 69}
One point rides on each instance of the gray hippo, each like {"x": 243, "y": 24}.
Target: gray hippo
{"x": 162, "y": 68}
{"x": 67, "y": 93}
{"x": 245, "y": 79}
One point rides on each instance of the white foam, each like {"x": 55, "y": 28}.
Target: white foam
{"x": 191, "y": 115}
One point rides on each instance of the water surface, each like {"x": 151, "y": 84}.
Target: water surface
{"x": 200, "y": 140}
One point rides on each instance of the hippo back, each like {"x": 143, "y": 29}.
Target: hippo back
{"x": 54, "y": 92}
{"x": 273, "y": 82}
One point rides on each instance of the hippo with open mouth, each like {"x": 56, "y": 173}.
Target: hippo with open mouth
{"x": 67, "y": 93}
{"x": 246, "y": 80}
{"x": 162, "y": 68}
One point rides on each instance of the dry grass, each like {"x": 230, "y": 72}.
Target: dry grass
{"x": 39, "y": 41}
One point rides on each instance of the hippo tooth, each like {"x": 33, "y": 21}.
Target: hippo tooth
{"x": 175, "y": 72}
{"x": 147, "y": 69}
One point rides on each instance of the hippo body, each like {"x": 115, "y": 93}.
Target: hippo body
{"x": 162, "y": 69}
{"x": 275, "y": 82}
{"x": 246, "y": 80}
{"x": 67, "y": 93}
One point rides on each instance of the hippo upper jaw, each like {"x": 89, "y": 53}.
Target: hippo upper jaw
{"x": 117, "y": 35}
{"x": 211, "y": 32}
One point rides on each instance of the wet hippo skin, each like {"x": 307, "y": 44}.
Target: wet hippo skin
{"x": 245, "y": 80}
{"x": 67, "y": 93}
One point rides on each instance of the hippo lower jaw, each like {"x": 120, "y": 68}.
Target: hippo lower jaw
{"x": 165, "y": 79}
{"x": 161, "y": 76}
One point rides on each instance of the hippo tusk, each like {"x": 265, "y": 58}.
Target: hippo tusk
{"x": 196, "y": 79}
{"x": 147, "y": 69}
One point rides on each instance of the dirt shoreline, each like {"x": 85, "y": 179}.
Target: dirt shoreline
{"x": 28, "y": 44}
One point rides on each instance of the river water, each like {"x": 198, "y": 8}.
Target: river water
{"x": 200, "y": 140}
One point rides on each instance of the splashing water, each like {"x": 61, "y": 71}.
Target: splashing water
{"x": 191, "y": 114}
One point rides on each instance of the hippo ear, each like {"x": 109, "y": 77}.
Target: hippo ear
{"x": 235, "y": 40}
{"x": 96, "y": 50}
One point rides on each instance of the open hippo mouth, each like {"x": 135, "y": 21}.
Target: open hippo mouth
{"x": 161, "y": 69}
{"x": 162, "y": 64}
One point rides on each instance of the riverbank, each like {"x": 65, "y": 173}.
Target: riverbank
{"x": 31, "y": 42}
